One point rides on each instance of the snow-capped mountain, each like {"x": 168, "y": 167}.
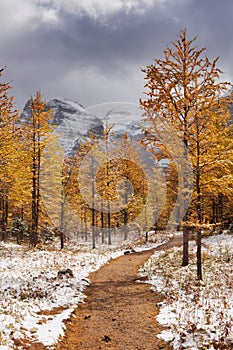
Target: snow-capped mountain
{"x": 73, "y": 122}
{"x": 124, "y": 117}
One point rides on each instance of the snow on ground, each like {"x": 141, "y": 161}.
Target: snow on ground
{"x": 31, "y": 286}
{"x": 196, "y": 315}
{"x": 30, "y": 283}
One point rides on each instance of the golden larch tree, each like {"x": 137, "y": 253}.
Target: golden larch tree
{"x": 184, "y": 92}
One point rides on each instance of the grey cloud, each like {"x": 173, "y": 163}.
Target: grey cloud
{"x": 92, "y": 61}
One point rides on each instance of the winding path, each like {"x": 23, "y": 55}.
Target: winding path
{"x": 119, "y": 314}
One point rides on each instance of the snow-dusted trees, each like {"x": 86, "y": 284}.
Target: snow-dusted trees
{"x": 184, "y": 91}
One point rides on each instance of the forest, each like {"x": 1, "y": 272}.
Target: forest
{"x": 184, "y": 93}
{"x": 47, "y": 196}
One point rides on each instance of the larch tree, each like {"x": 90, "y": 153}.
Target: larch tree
{"x": 185, "y": 93}
{"x": 51, "y": 188}
{"x": 108, "y": 176}
{"x": 79, "y": 184}
{"x": 71, "y": 190}
{"x": 89, "y": 148}
{"x": 217, "y": 182}
{"x": 37, "y": 128}
{"x": 126, "y": 155}
{"x": 10, "y": 153}
{"x": 132, "y": 185}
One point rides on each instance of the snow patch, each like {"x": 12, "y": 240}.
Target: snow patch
{"x": 49, "y": 333}
{"x": 198, "y": 314}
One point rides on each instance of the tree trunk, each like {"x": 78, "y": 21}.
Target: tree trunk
{"x": 109, "y": 225}
{"x": 33, "y": 235}
{"x": 4, "y": 216}
{"x": 214, "y": 216}
{"x": 93, "y": 200}
{"x": 125, "y": 218}
{"x": 85, "y": 223}
{"x": 220, "y": 207}
{"x": 38, "y": 183}
{"x": 199, "y": 215}
{"x": 185, "y": 261}
{"x": 125, "y": 225}
{"x": 199, "y": 261}
{"x": 62, "y": 219}
{"x": 147, "y": 237}
{"x": 102, "y": 222}
{"x": 93, "y": 226}
{"x": 35, "y": 190}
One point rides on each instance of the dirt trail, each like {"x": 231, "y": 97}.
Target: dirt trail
{"x": 119, "y": 314}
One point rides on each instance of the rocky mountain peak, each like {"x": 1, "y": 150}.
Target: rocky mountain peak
{"x": 73, "y": 122}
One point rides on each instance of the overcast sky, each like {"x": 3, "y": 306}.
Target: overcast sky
{"x": 92, "y": 51}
